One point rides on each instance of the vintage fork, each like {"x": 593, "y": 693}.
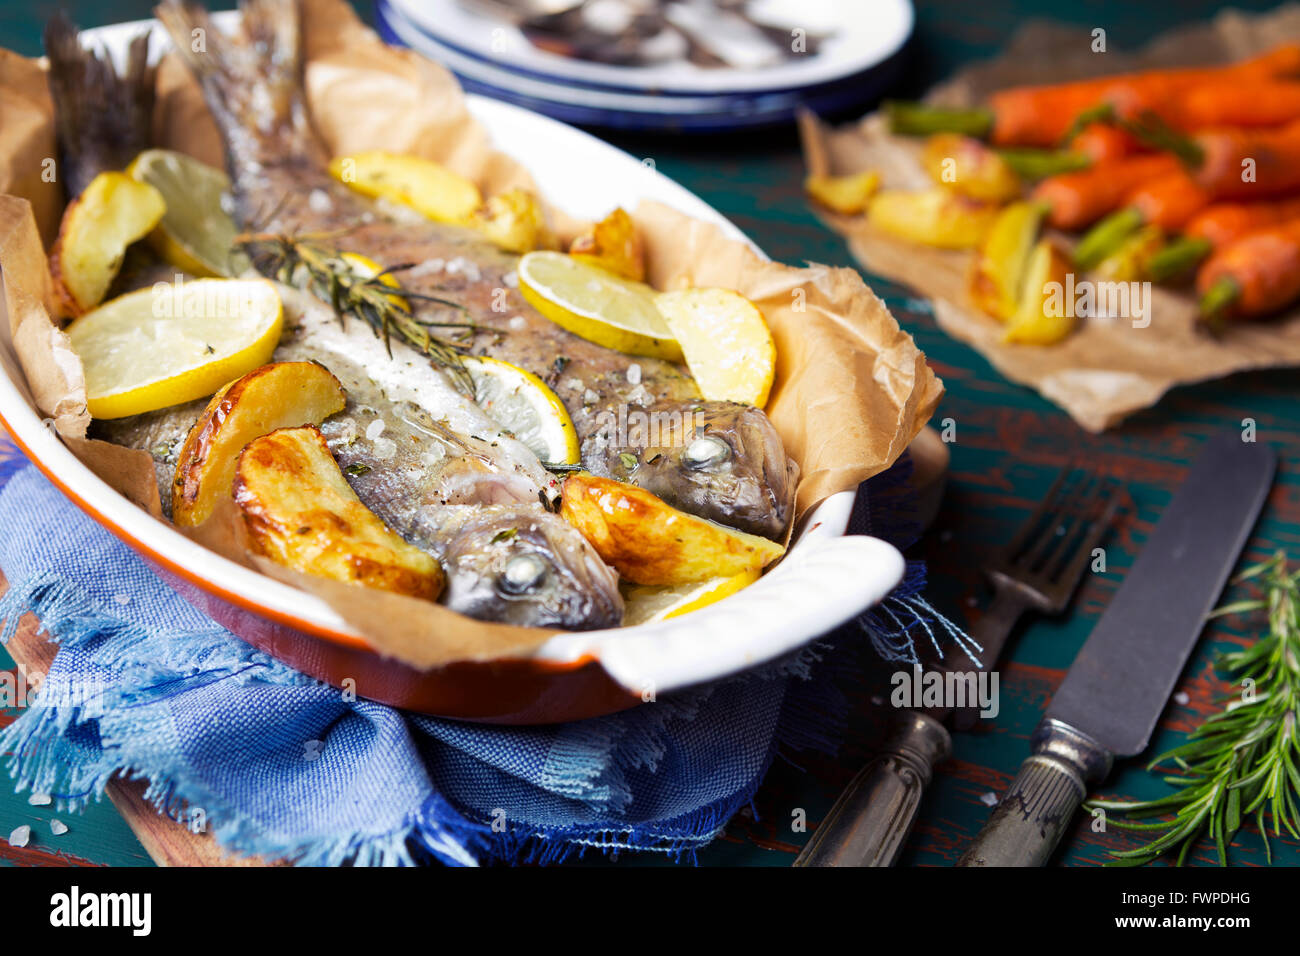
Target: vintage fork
{"x": 1039, "y": 571}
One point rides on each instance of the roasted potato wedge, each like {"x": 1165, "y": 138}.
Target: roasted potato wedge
{"x": 969, "y": 167}
{"x": 301, "y": 512}
{"x": 613, "y": 244}
{"x": 650, "y": 542}
{"x": 1043, "y": 317}
{"x": 847, "y": 195}
{"x": 279, "y": 395}
{"x": 110, "y": 214}
{"x": 421, "y": 184}
{"x": 933, "y": 217}
{"x": 998, "y": 270}
{"x": 515, "y": 222}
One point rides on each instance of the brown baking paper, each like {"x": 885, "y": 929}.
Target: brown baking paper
{"x": 1108, "y": 369}
{"x": 851, "y": 391}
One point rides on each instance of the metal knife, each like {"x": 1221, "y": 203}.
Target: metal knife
{"x": 1115, "y": 691}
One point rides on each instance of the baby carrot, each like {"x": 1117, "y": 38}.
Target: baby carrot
{"x": 1078, "y": 199}
{"x": 1101, "y": 142}
{"x": 1255, "y": 275}
{"x": 1167, "y": 203}
{"x": 1221, "y": 223}
{"x": 1249, "y": 163}
{"x": 1264, "y": 103}
{"x": 1042, "y": 115}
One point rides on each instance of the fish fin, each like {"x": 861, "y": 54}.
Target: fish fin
{"x": 250, "y": 79}
{"x": 103, "y": 117}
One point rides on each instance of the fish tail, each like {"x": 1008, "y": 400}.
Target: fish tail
{"x": 250, "y": 79}
{"x": 103, "y": 117}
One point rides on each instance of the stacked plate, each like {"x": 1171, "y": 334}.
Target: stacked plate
{"x": 853, "y": 57}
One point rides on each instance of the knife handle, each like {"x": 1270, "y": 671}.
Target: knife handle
{"x": 1038, "y": 807}
{"x": 870, "y": 821}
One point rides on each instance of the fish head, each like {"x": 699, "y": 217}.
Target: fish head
{"x": 526, "y": 566}
{"x": 718, "y": 460}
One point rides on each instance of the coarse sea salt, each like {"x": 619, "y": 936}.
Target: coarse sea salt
{"x": 634, "y": 374}
{"x": 517, "y": 322}
{"x": 40, "y": 800}
{"x": 58, "y": 827}
{"x": 375, "y": 429}
{"x": 319, "y": 202}
{"x": 20, "y": 836}
{"x": 384, "y": 448}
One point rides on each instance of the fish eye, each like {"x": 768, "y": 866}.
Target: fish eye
{"x": 706, "y": 451}
{"x": 522, "y": 573}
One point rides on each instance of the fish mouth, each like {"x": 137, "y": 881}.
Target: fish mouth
{"x": 525, "y": 566}
{"x": 728, "y": 465}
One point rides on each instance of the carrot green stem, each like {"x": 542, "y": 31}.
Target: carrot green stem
{"x": 917, "y": 119}
{"x": 1035, "y": 164}
{"x": 1101, "y": 113}
{"x": 1218, "y": 298}
{"x": 1177, "y": 258}
{"x": 1154, "y": 132}
{"x": 1105, "y": 237}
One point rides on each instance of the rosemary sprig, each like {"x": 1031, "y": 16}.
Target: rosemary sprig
{"x": 1245, "y": 760}
{"x": 305, "y": 262}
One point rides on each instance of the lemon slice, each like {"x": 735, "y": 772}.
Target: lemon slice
{"x": 599, "y": 306}
{"x": 174, "y": 343}
{"x": 196, "y": 235}
{"x": 727, "y": 344}
{"x": 646, "y": 604}
{"x": 521, "y": 403}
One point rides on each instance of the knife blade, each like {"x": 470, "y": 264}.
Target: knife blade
{"x": 1113, "y": 695}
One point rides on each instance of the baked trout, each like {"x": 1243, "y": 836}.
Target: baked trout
{"x": 420, "y": 454}
{"x": 639, "y": 419}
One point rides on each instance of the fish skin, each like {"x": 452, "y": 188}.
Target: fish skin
{"x": 281, "y": 184}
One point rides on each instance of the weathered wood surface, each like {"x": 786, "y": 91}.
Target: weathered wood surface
{"x": 1009, "y": 443}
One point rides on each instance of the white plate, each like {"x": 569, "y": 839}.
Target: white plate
{"x": 867, "y": 32}
{"x": 825, "y": 579}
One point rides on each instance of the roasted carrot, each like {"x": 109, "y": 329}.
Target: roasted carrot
{"x": 1264, "y": 103}
{"x": 1222, "y": 223}
{"x": 1102, "y": 142}
{"x": 1255, "y": 275}
{"x": 1167, "y": 203}
{"x": 1042, "y": 115}
{"x": 1076, "y": 200}
{"x": 1249, "y": 164}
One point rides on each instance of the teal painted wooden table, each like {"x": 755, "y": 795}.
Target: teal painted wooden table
{"x": 1009, "y": 443}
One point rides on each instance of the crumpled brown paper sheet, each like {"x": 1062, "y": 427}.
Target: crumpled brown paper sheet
{"x": 1108, "y": 369}
{"x": 852, "y": 389}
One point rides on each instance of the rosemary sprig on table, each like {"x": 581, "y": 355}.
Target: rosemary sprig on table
{"x": 307, "y": 263}
{"x": 1245, "y": 760}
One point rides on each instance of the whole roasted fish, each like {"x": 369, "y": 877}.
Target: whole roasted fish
{"x": 719, "y": 460}
{"x": 423, "y": 456}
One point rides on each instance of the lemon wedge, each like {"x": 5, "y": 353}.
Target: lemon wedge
{"x": 524, "y": 405}
{"x": 174, "y": 343}
{"x": 644, "y": 605}
{"x": 196, "y": 234}
{"x": 596, "y": 304}
{"x": 727, "y": 343}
